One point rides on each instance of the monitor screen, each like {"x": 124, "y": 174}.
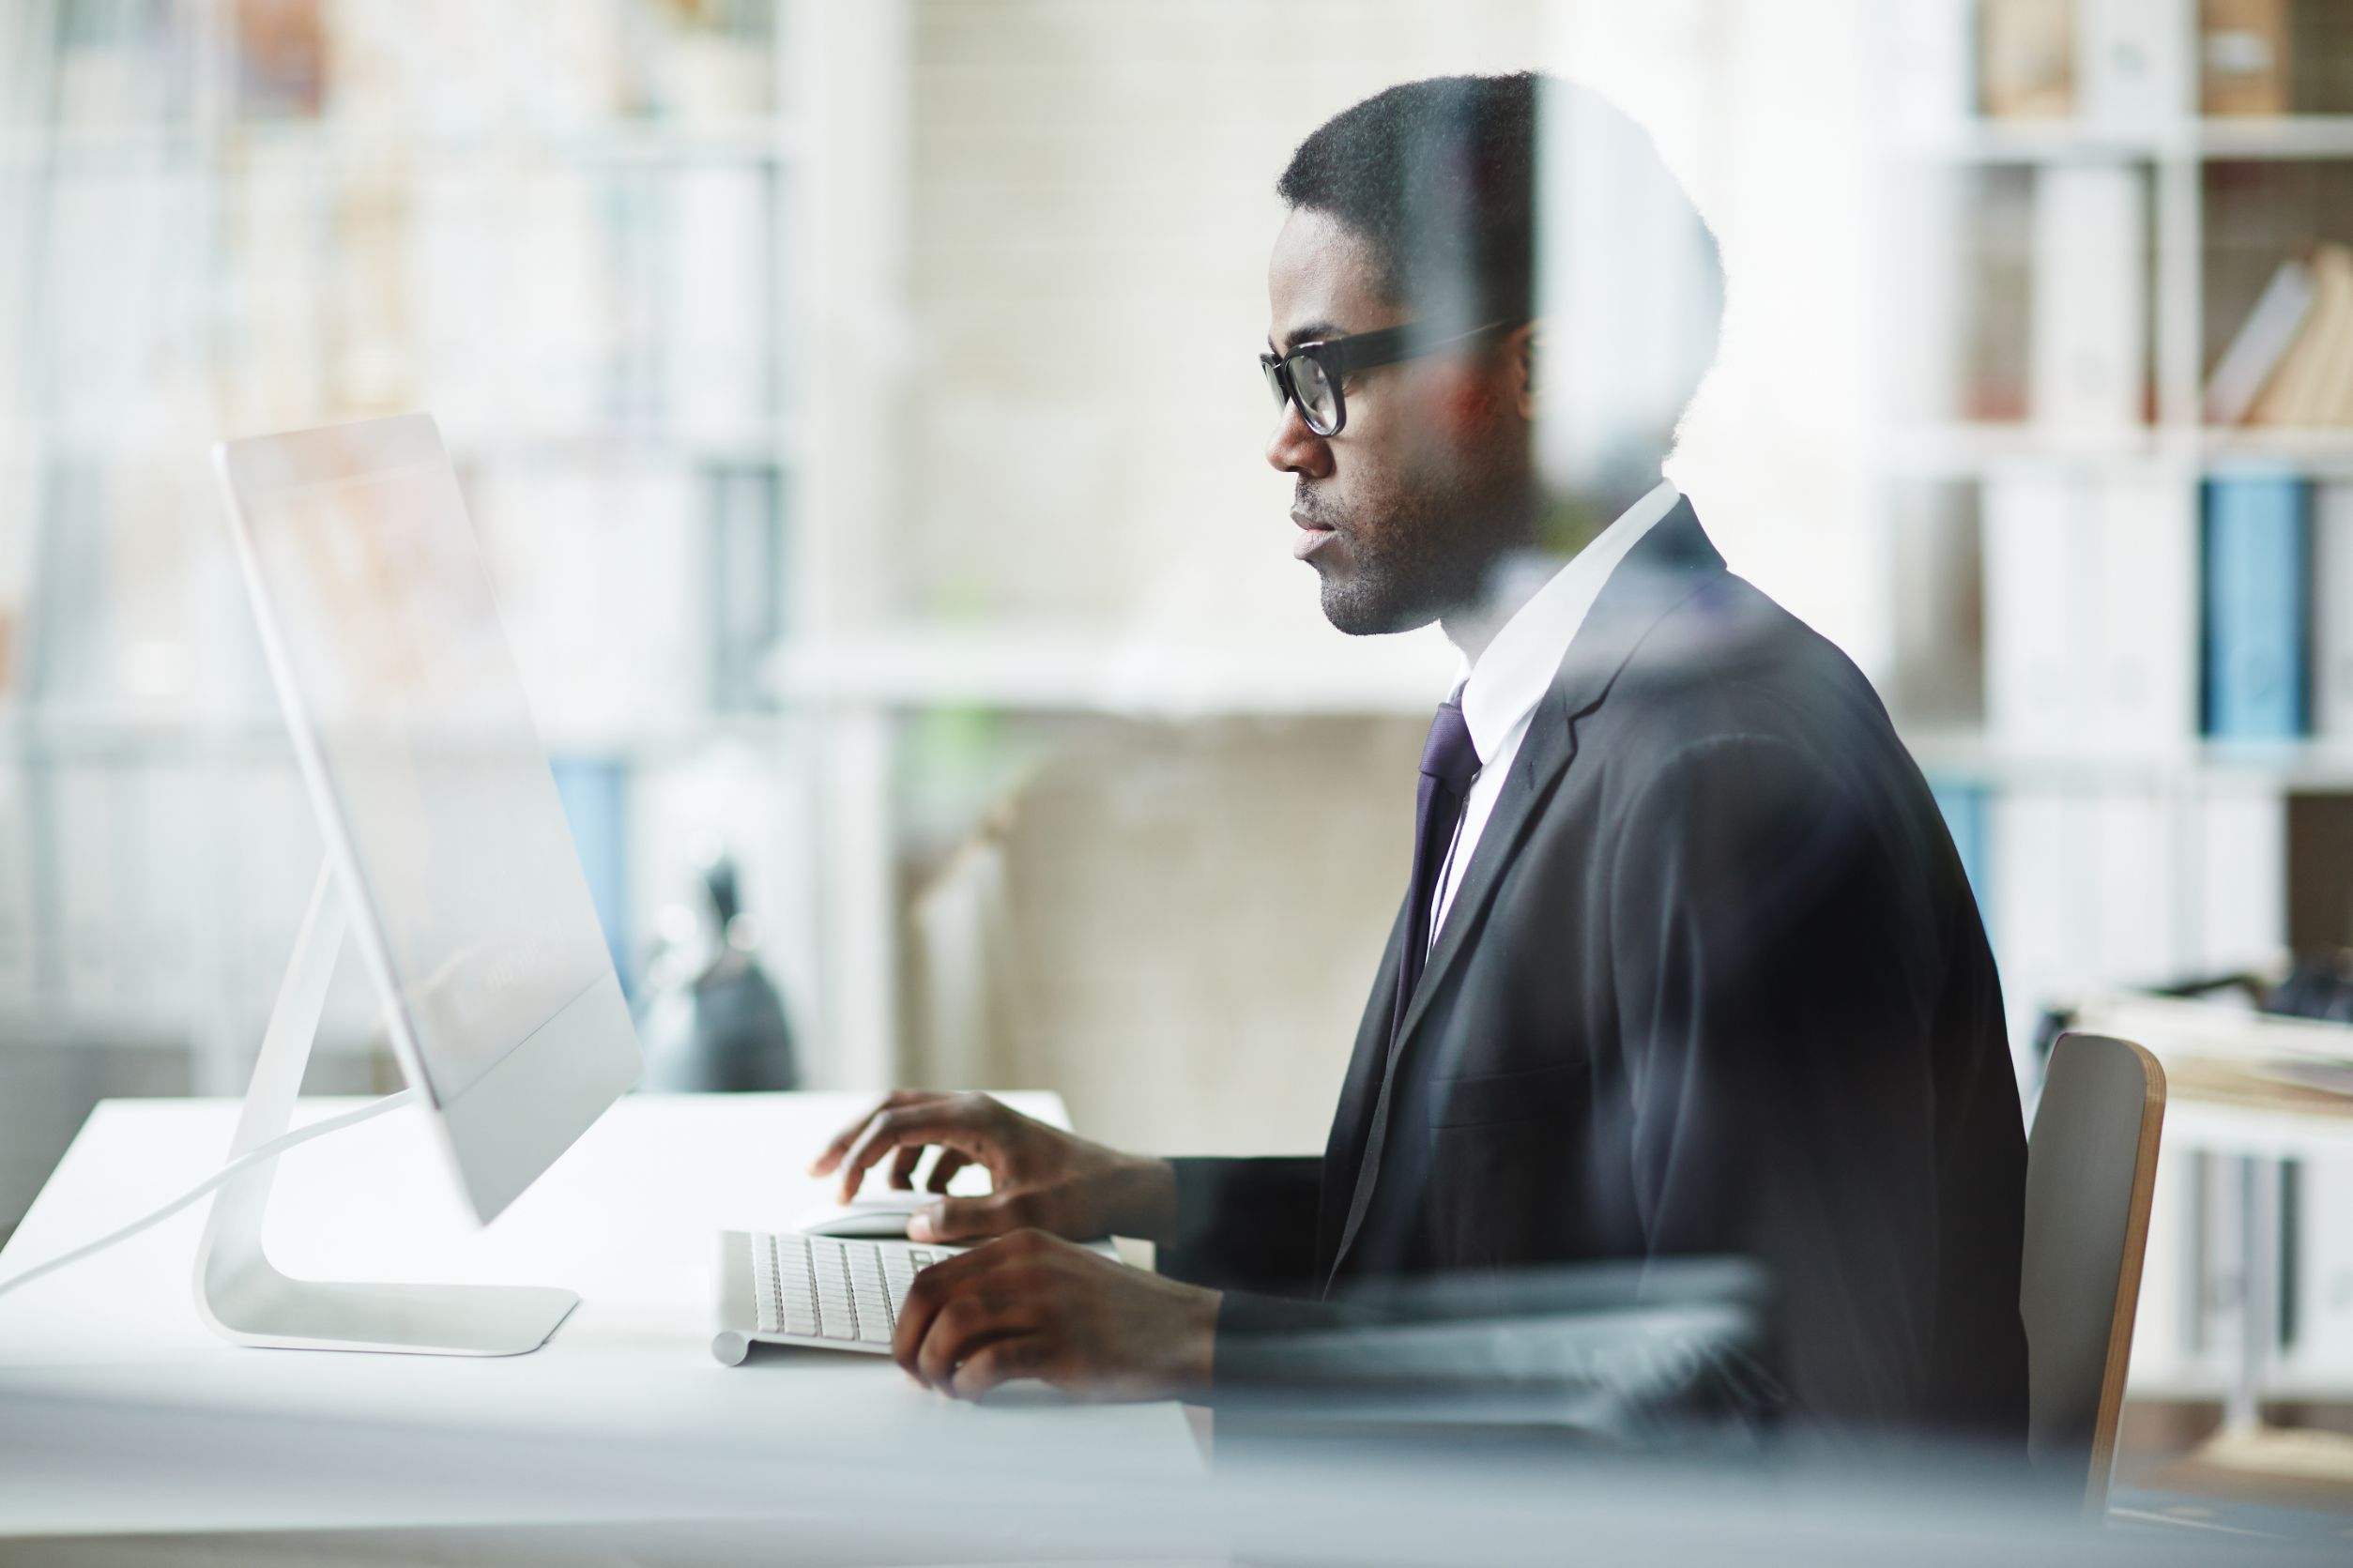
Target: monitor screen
{"x": 386, "y": 644}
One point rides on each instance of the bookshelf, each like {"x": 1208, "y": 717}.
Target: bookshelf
{"x": 2065, "y": 261}
{"x": 576, "y": 233}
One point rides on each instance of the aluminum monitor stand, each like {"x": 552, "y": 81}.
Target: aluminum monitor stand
{"x": 246, "y": 1300}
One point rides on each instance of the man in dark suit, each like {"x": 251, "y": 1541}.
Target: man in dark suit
{"x": 1688, "y": 968}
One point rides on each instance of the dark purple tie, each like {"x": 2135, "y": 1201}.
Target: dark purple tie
{"x": 1449, "y": 762}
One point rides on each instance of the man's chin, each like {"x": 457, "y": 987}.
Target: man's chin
{"x": 1355, "y": 608}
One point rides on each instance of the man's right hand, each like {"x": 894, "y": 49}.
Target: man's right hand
{"x": 1044, "y": 1178}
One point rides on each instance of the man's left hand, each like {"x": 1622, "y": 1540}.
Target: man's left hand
{"x": 1030, "y": 1305}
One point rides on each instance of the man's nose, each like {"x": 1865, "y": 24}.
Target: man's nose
{"x": 1296, "y": 449}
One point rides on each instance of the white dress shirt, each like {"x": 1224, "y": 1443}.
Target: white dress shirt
{"x": 1502, "y": 688}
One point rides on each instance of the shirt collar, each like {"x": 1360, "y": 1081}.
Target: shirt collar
{"x": 1502, "y": 688}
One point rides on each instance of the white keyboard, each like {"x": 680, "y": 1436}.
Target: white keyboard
{"x": 833, "y": 1292}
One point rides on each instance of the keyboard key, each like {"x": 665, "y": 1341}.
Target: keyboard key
{"x": 764, "y": 1295}
{"x": 799, "y": 1295}
{"x": 844, "y": 1292}
{"x": 874, "y": 1310}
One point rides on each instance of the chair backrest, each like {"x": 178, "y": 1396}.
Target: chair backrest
{"x": 2091, "y": 1170}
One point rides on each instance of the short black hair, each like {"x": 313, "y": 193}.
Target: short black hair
{"x": 1441, "y": 178}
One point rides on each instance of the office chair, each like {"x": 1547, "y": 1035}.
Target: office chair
{"x": 2091, "y": 1171}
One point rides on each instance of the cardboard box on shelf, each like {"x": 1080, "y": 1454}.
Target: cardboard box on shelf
{"x": 2027, "y": 59}
{"x": 2243, "y": 56}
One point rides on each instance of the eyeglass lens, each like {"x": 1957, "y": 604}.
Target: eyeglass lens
{"x": 1318, "y": 399}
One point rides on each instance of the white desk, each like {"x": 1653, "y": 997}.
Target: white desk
{"x": 622, "y": 1442}
{"x": 119, "y": 1412}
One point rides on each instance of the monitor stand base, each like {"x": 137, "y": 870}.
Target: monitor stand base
{"x": 245, "y": 1299}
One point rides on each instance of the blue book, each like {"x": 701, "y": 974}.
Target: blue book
{"x": 596, "y": 806}
{"x": 2257, "y": 608}
{"x": 1964, "y": 807}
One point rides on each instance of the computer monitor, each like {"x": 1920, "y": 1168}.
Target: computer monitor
{"x": 444, "y": 834}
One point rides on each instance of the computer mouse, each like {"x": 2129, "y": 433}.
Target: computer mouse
{"x": 883, "y": 1216}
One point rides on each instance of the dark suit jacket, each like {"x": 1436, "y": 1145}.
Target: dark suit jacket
{"x": 1714, "y": 984}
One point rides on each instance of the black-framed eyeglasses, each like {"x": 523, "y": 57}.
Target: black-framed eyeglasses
{"x": 1310, "y": 374}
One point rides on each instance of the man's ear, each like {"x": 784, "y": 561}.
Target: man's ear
{"x": 1521, "y": 348}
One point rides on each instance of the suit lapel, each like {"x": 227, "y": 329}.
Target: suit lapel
{"x": 1344, "y": 1148}
{"x": 1661, "y": 571}
{"x": 1672, "y": 561}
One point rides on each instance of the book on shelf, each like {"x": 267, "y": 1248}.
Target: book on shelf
{"x": 459, "y": 69}
{"x": 2333, "y": 599}
{"x": 2243, "y": 56}
{"x": 745, "y": 563}
{"x": 2144, "y": 602}
{"x": 1930, "y": 85}
{"x": 278, "y": 56}
{"x": 128, "y": 334}
{"x": 1937, "y": 605}
{"x": 1999, "y": 354}
{"x": 2256, "y": 634}
{"x": 2312, "y": 384}
{"x": 430, "y": 68}
{"x": 2088, "y": 305}
{"x": 2026, "y": 58}
{"x": 2133, "y": 62}
{"x": 715, "y": 64}
{"x": 2087, "y": 884}
{"x": 1928, "y": 305}
{"x": 2246, "y": 366}
{"x": 449, "y": 292}
{"x": 123, "y": 64}
{"x": 2133, "y": 866}
{"x": 563, "y": 298}
{"x": 583, "y": 61}
{"x": 2234, "y": 878}
{"x": 599, "y": 571}
{"x": 368, "y": 349}
{"x": 2040, "y": 629}
{"x": 2118, "y": 65}
{"x": 273, "y": 295}
{"x": 126, "y": 620}
{"x": 2041, "y": 915}
{"x": 2090, "y": 611}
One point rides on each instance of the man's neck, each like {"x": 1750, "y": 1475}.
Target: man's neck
{"x": 1565, "y": 528}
